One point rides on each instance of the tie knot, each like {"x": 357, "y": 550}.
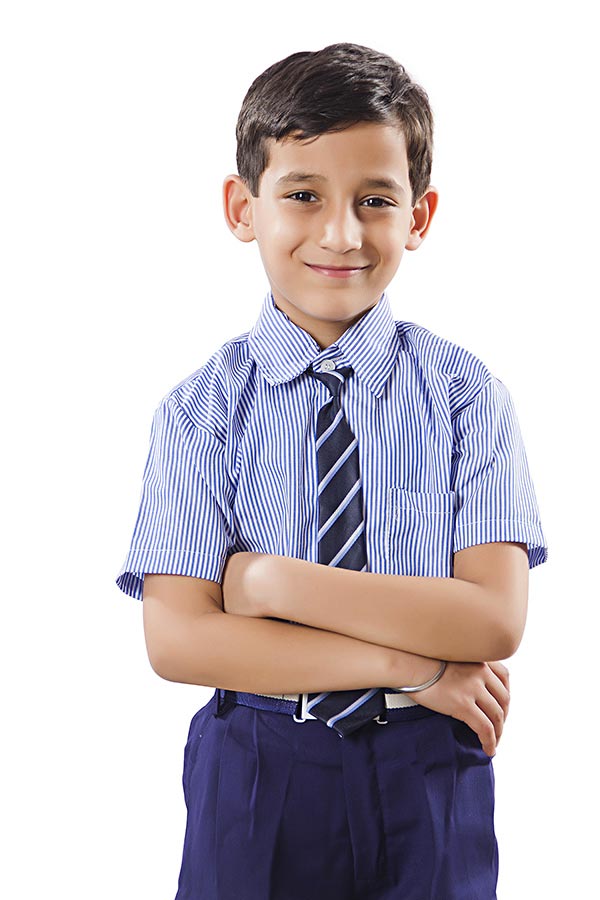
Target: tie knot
{"x": 333, "y": 379}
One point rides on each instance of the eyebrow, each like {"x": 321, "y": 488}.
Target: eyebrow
{"x": 379, "y": 182}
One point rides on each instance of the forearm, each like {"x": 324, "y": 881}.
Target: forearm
{"x": 266, "y": 656}
{"x": 443, "y": 618}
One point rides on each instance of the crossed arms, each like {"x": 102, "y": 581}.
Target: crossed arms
{"x": 357, "y": 629}
{"x": 478, "y": 615}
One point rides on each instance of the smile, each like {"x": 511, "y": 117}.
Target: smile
{"x": 336, "y": 271}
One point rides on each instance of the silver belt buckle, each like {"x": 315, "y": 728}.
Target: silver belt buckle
{"x": 304, "y": 714}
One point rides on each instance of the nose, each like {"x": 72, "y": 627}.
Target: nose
{"x": 341, "y": 229}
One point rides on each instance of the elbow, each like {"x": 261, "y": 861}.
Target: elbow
{"x": 157, "y": 652}
{"x": 502, "y": 649}
{"x": 172, "y": 667}
{"x": 160, "y": 666}
{"x": 159, "y": 656}
{"x": 176, "y": 668}
{"x": 511, "y": 643}
{"x": 497, "y": 644}
{"x": 180, "y": 642}
{"x": 507, "y": 624}
{"x": 160, "y": 659}
{"x": 506, "y": 642}
{"x": 191, "y": 654}
{"x": 511, "y": 630}
{"x": 176, "y": 652}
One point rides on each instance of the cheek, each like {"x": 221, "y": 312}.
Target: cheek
{"x": 281, "y": 219}
{"x": 288, "y": 230}
{"x": 280, "y": 238}
{"x": 392, "y": 241}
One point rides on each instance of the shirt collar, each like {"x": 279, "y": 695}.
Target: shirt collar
{"x": 282, "y": 350}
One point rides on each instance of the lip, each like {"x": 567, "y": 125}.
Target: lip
{"x": 337, "y": 271}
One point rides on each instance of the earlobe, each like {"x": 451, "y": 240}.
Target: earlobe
{"x": 237, "y": 207}
{"x": 422, "y": 215}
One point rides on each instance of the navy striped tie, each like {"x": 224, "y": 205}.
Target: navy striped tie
{"x": 341, "y": 540}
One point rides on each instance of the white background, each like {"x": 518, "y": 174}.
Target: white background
{"x": 120, "y": 278}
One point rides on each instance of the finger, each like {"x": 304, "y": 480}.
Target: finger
{"x": 499, "y": 688}
{"x": 483, "y": 727}
{"x": 501, "y": 671}
{"x": 494, "y": 712}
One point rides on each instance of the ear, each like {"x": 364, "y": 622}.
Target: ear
{"x": 237, "y": 206}
{"x": 422, "y": 215}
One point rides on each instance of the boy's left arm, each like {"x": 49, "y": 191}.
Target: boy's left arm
{"x": 477, "y": 616}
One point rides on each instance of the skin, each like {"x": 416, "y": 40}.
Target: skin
{"x": 333, "y": 220}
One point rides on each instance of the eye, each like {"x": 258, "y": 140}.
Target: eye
{"x": 380, "y": 200}
{"x": 298, "y": 194}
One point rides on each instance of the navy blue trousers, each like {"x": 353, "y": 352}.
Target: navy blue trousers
{"x": 285, "y": 810}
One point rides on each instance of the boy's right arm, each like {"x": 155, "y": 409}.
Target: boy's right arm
{"x": 190, "y": 639}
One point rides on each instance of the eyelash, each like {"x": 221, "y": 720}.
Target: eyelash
{"x": 295, "y": 194}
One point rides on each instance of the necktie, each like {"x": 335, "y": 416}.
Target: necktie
{"x": 341, "y": 540}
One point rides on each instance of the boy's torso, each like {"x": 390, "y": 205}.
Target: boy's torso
{"x": 400, "y": 412}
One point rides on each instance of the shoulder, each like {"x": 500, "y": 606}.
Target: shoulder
{"x": 203, "y": 399}
{"x": 460, "y": 370}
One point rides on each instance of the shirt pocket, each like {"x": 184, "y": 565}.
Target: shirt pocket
{"x": 419, "y": 533}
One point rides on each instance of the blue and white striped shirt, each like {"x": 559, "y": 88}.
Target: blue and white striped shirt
{"x": 232, "y": 463}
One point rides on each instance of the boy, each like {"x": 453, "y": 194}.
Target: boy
{"x": 336, "y": 527}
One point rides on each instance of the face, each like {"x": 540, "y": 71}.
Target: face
{"x": 332, "y": 220}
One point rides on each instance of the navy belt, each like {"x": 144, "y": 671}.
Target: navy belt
{"x": 223, "y": 700}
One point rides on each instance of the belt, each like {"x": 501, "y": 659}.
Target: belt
{"x": 295, "y": 704}
{"x": 391, "y": 700}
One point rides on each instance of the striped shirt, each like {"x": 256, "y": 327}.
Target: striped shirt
{"x": 232, "y": 463}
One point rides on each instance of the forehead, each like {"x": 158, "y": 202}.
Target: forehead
{"x": 358, "y": 152}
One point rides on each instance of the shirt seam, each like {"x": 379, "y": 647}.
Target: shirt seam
{"x": 483, "y": 521}
{"x": 173, "y": 550}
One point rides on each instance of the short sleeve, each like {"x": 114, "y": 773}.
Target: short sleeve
{"x": 494, "y": 495}
{"x": 184, "y": 523}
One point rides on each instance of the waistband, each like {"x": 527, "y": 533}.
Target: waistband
{"x": 223, "y": 699}
{"x": 392, "y": 701}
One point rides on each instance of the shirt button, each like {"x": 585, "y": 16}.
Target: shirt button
{"x": 328, "y": 365}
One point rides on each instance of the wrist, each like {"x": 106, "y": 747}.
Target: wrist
{"x": 410, "y": 669}
{"x": 428, "y": 683}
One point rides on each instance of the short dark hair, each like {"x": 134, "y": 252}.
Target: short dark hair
{"x": 329, "y": 90}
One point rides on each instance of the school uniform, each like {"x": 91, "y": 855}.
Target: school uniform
{"x": 278, "y": 806}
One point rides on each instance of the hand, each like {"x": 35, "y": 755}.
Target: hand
{"x": 239, "y": 585}
{"x": 477, "y": 693}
